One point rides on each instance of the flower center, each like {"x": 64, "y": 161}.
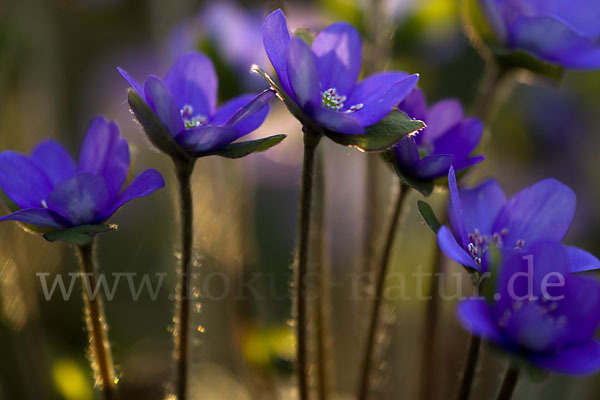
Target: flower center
{"x": 479, "y": 243}
{"x": 544, "y": 307}
{"x": 331, "y": 99}
{"x": 190, "y": 120}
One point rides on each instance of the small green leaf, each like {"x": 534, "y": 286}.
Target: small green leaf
{"x": 155, "y": 130}
{"x": 429, "y": 216}
{"x": 242, "y": 149}
{"x": 79, "y": 235}
{"x": 425, "y": 187}
{"x": 382, "y": 135}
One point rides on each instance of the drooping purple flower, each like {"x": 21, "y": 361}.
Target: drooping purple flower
{"x": 566, "y": 33}
{"x": 322, "y": 80}
{"x": 482, "y": 216}
{"x": 53, "y": 192}
{"x": 185, "y": 101}
{"x": 233, "y": 32}
{"x": 540, "y": 312}
{"x": 449, "y": 138}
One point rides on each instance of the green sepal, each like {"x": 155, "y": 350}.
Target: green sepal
{"x": 429, "y": 216}
{"x": 518, "y": 59}
{"x": 382, "y": 135}
{"x": 79, "y": 235}
{"x": 305, "y": 34}
{"x": 155, "y": 130}
{"x": 489, "y": 285}
{"x": 242, "y": 149}
{"x": 8, "y": 203}
{"x": 425, "y": 187}
{"x": 291, "y": 105}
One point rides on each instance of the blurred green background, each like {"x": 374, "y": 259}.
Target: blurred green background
{"x": 58, "y": 62}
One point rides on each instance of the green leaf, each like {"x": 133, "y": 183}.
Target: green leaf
{"x": 429, "y": 216}
{"x": 155, "y": 130}
{"x": 382, "y": 135}
{"x": 242, "y": 149}
{"x": 425, "y": 187}
{"x": 79, "y": 235}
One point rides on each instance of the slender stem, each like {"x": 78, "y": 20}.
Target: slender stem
{"x": 489, "y": 90}
{"x": 311, "y": 140}
{"x": 101, "y": 354}
{"x": 321, "y": 302}
{"x": 381, "y": 273}
{"x": 430, "y": 329}
{"x": 466, "y": 383}
{"x": 509, "y": 383}
{"x": 183, "y": 170}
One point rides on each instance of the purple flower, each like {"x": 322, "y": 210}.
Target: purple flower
{"x": 448, "y": 139}
{"x": 561, "y": 32}
{"x": 540, "y": 312}
{"x": 482, "y": 216}
{"x": 185, "y": 102}
{"x": 233, "y": 33}
{"x": 322, "y": 80}
{"x": 52, "y": 192}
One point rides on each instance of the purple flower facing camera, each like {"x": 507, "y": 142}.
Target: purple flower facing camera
{"x": 185, "y": 102}
{"x": 51, "y": 191}
{"x": 322, "y": 79}
{"x": 482, "y": 216}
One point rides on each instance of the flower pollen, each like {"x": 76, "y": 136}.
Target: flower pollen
{"x": 331, "y": 99}
{"x": 190, "y": 120}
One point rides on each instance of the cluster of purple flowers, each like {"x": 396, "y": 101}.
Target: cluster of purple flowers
{"x": 542, "y": 309}
{"x": 549, "y": 321}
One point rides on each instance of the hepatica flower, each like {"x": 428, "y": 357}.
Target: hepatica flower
{"x": 185, "y": 103}
{"x": 482, "y": 216}
{"x": 449, "y": 139}
{"x": 320, "y": 81}
{"x": 52, "y": 192}
{"x": 540, "y": 312}
{"x": 566, "y": 33}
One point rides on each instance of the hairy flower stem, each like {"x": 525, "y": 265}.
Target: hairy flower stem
{"x": 375, "y": 315}
{"x": 101, "y": 355}
{"x": 321, "y": 301}
{"x": 430, "y": 329}
{"x": 509, "y": 383}
{"x": 183, "y": 170}
{"x": 466, "y": 382}
{"x": 311, "y": 140}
